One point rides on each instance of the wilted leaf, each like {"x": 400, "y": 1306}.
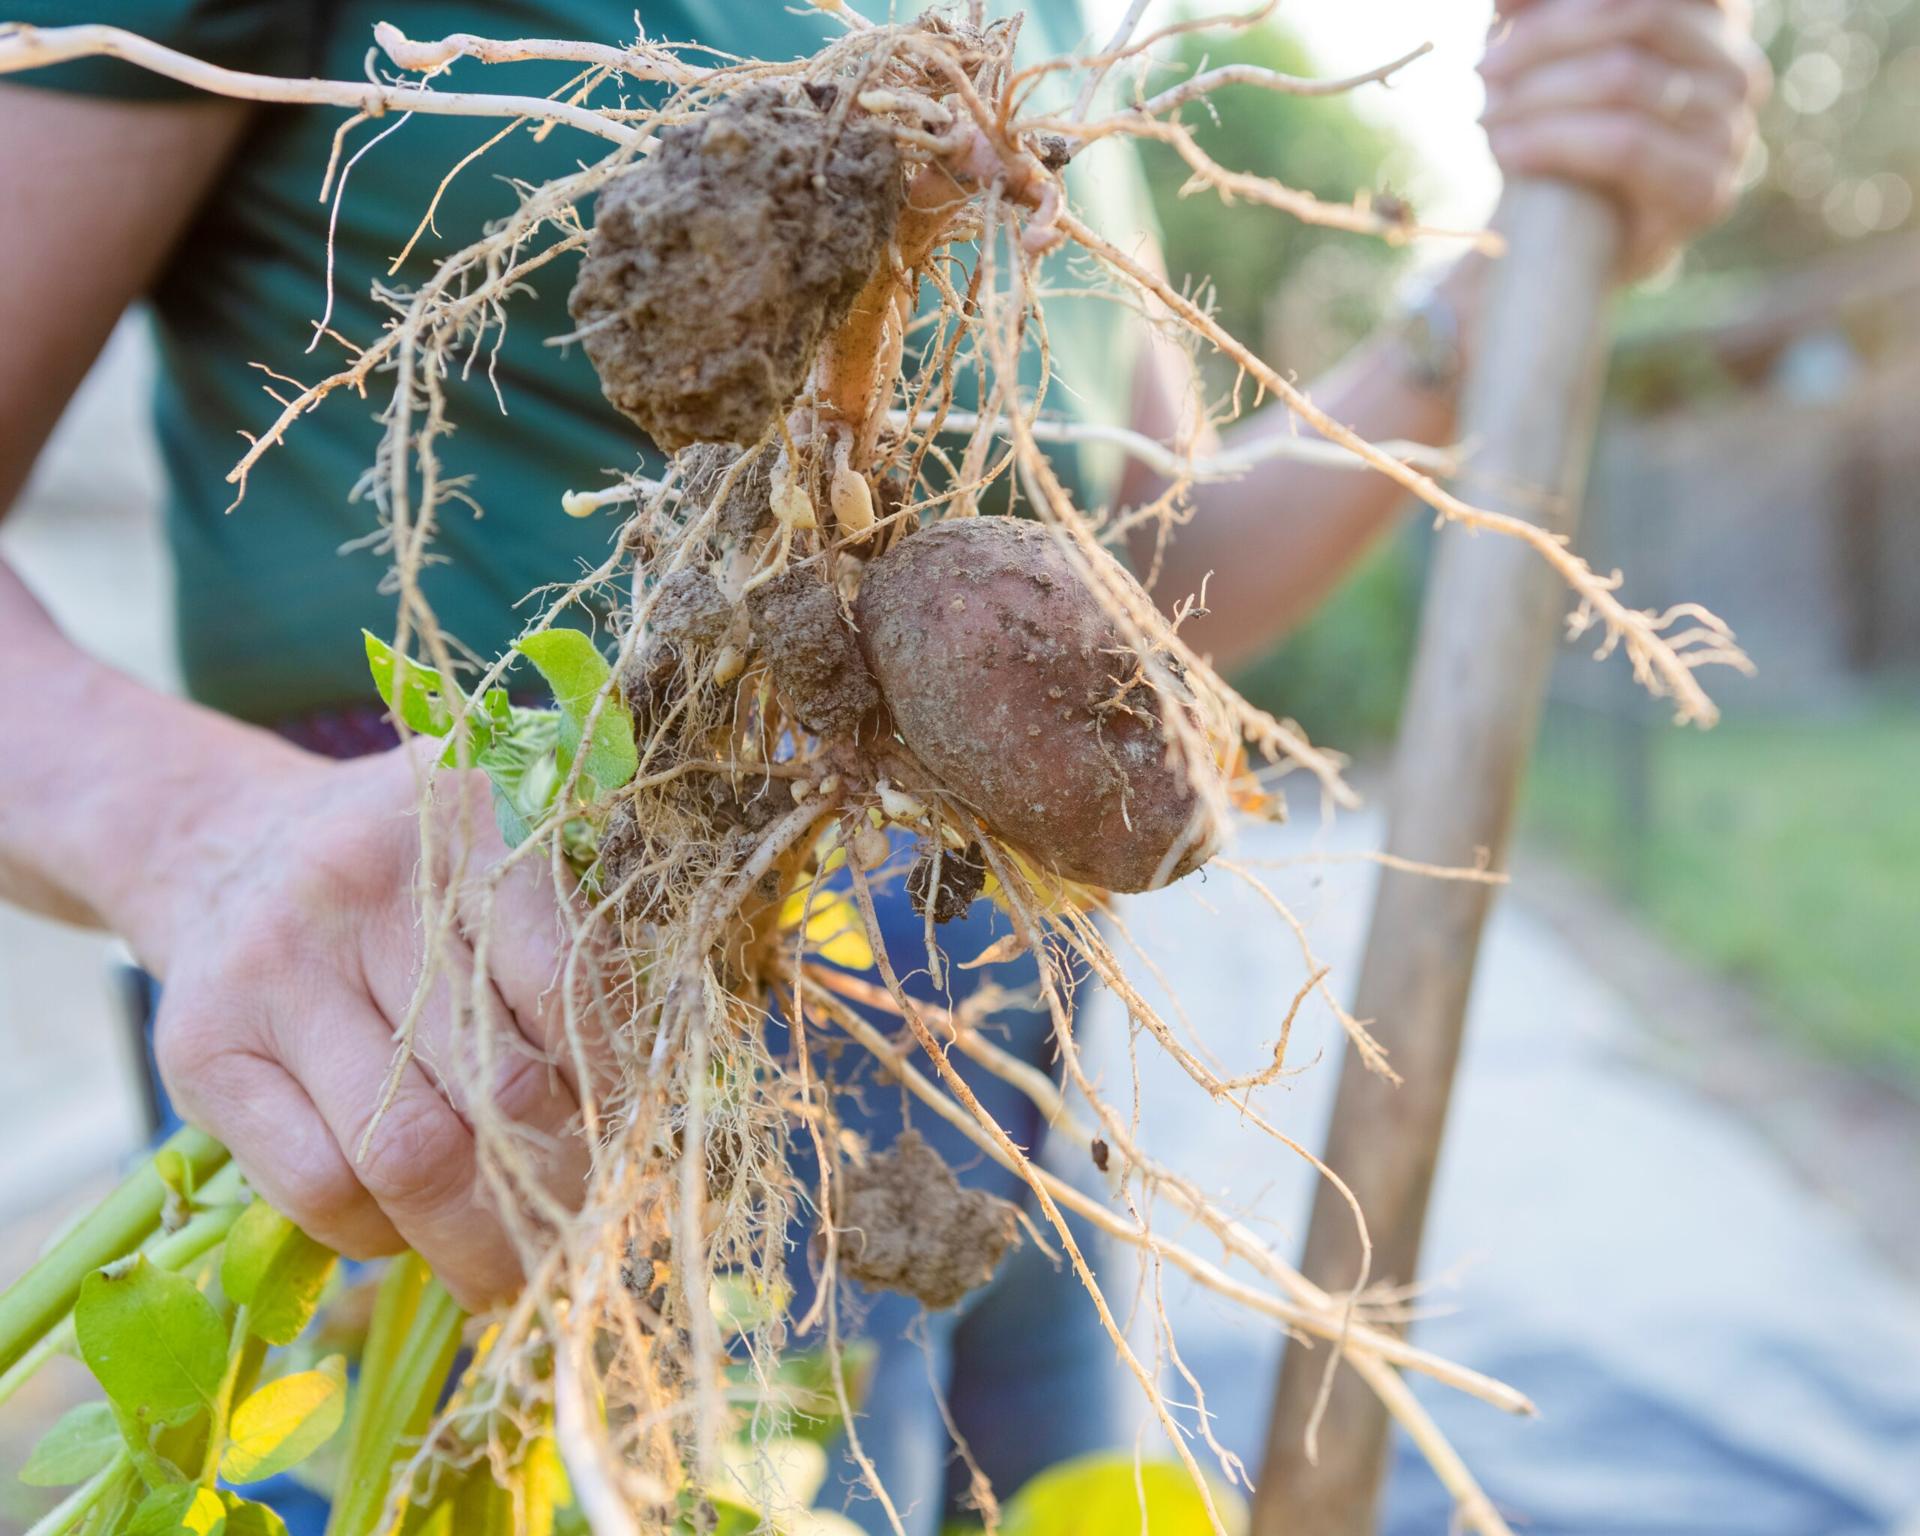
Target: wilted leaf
{"x": 245, "y": 1518}
{"x": 544, "y": 1487}
{"x": 179, "y": 1507}
{"x": 834, "y": 928}
{"x": 84, "y": 1440}
{"x": 285, "y": 1421}
{"x": 273, "y": 1267}
{"x": 154, "y": 1343}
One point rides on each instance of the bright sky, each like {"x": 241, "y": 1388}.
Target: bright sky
{"x": 1434, "y": 102}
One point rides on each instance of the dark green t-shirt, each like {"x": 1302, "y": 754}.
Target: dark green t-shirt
{"x": 272, "y": 596}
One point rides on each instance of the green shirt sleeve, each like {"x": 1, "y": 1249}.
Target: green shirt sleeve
{"x": 273, "y": 37}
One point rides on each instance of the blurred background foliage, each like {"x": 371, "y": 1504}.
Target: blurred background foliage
{"x": 1777, "y": 850}
{"x": 1301, "y": 296}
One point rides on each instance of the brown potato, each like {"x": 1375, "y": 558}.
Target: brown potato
{"x": 1002, "y": 672}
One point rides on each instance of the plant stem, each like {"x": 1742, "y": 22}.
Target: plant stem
{"x": 175, "y": 1251}
{"x": 76, "y": 1505}
{"x": 35, "y": 1302}
{"x": 411, "y": 1345}
{"x": 223, "y": 1400}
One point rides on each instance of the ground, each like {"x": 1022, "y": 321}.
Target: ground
{"x": 1780, "y": 851}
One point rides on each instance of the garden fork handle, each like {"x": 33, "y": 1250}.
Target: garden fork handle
{"x": 1487, "y": 637}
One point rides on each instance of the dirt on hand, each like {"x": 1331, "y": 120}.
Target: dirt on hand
{"x": 719, "y": 265}
{"x": 905, "y": 1224}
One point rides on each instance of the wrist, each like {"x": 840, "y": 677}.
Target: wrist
{"x": 1435, "y": 327}
{"x": 159, "y": 801}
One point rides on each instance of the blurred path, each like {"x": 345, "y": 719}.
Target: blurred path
{"x": 86, "y": 538}
{"x": 1713, "y": 1349}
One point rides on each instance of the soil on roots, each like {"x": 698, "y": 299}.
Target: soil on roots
{"x": 813, "y": 654}
{"x": 905, "y": 1224}
{"x": 718, "y": 266}
{"x": 962, "y": 876}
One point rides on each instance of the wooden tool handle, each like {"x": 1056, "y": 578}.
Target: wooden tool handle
{"x": 1487, "y": 637}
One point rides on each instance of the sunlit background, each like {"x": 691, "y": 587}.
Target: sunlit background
{"x": 1738, "y": 911}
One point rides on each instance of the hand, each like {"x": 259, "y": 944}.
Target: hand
{"x": 290, "y": 941}
{"x": 1652, "y": 101}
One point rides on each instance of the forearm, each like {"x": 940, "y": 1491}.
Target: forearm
{"x": 109, "y": 792}
{"x": 1272, "y": 544}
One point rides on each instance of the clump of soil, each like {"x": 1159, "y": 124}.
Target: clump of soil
{"x": 689, "y": 608}
{"x": 812, "y": 652}
{"x": 747, "y": 505}
{"x": 718, "y": 266}
{"x": 963, "y": 875}
{"x": 1018, "y": 691}
{"x": 905, "y": 1224}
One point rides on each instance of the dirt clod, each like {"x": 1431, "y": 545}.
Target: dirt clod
{"x": 963, "y": 875}
{"x": 745, "y": 498}
{"x": 905, "y": 1224}
{"x": 718, "y": 266}
{"x": 812, "y": 653}
{"x": 689, "y": 608}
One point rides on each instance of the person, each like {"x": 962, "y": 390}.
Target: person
{"x": 253, "y": 843}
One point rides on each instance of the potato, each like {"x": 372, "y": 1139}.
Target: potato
{"x": 995, "y": 661}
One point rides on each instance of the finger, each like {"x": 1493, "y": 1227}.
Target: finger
{"x": 464, "y": 1037}
{"x": 1642, "y": 163}
{"x": 1626, "y": 77}
{"x": 415, "y": 1156}
{"x": 552, "y": 966}
{"x": 284, "y": 1148}
{"x": 1692, "y": 36}
{"x": 508, "y": 920}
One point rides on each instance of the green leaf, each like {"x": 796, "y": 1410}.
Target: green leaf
{"x": 177, "y": 1508}
{"x": 171, "y": 1164}
{"x": 84, "y": 1440}
{"x": 520, "y": 762}
{"x": 285, "y": 1422}
{"x": 577, "y": 672}
{"x": 245, "y": 1518}
{"x": 801, "y": 1388}
{"x": 274, "y": 1268}
{"x": 1097, "y": 1495}
{"x": 151, "y": 1339}
{"x": 419, "y": 697}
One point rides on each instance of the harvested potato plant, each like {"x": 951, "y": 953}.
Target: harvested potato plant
{"x": 812, "y": 285}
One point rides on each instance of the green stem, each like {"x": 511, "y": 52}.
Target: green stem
{"x": 223, "y": 1399}
{"x": 74, "y": 1508}
{"x": 411, "y": 1344}
{"x": 155, "y": 1470}
{"x": 175, "y": 1251}
{"x": 35, "y": 1302}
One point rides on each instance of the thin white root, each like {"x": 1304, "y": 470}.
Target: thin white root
{"x": 28, "y": 47}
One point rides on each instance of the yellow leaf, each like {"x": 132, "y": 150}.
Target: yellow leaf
{"x": 834, "y": 927}
{"x": 204, "y": 1514}
{"x": 285, "y": 1422}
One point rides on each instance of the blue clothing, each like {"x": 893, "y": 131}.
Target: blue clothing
{"x": 1028, "y": 1373}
